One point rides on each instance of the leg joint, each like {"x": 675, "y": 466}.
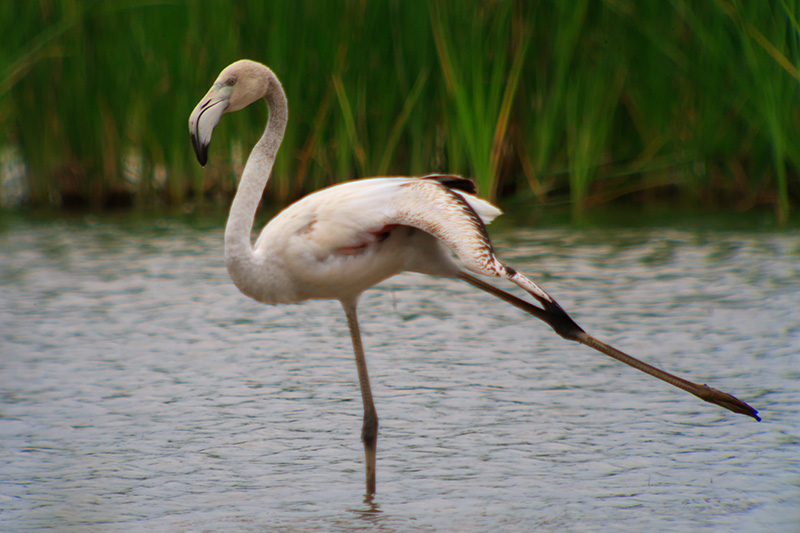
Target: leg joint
{"x": 369, "y": 430}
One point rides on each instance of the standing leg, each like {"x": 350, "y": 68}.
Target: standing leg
{"x": 369, "y": 430}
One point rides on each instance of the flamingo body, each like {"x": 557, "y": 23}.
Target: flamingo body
{"x": 342, "y": 240}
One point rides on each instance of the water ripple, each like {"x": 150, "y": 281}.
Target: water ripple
{"x": 141, "y": 391}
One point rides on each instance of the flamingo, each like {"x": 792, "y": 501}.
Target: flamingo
{"x": 339, "y": 241}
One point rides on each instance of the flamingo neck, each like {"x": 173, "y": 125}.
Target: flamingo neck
{"x": 239, "y": 255}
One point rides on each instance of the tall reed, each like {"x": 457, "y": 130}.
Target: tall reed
{"x": 586, "y": 102}
{"x": 474, "y": 50}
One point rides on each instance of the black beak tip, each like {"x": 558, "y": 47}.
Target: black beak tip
{"x": 200, "y": 150}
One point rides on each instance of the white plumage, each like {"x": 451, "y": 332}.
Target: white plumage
{"x": 344, "y": 239}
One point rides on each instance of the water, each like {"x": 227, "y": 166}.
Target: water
{"x": 141, "y": 391}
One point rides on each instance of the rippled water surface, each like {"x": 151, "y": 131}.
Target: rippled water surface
{"x": 141, "y": 391}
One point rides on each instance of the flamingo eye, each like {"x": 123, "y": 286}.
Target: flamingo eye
{"x": 230, "y": 81}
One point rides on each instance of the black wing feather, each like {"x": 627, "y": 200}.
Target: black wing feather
{"x": 452, "y": 181}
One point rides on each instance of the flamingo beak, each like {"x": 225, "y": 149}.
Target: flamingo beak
{"x": 205, "y": 117}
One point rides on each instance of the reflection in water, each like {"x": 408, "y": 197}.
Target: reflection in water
{"x": 141, "y": 390}
{"x": 370, "y": 514}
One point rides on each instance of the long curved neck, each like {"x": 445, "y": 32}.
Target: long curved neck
{"x": 238, "y": 246}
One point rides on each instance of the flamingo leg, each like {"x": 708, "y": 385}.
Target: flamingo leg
{"x": 562, "y": 323}
{"x": 369, "y": 429}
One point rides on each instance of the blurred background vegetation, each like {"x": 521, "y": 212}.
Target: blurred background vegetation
{"x": 580, "y": 103}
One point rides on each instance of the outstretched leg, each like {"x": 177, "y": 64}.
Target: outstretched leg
{"x": 553, "y": 314}
{"x": 369, "y": 429}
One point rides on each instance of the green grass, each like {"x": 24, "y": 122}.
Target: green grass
{"x": 474, "y": 50}
{"x": 584, "y": 103}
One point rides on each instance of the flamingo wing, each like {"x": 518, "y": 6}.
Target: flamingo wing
{"x": 359, "y": 212}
